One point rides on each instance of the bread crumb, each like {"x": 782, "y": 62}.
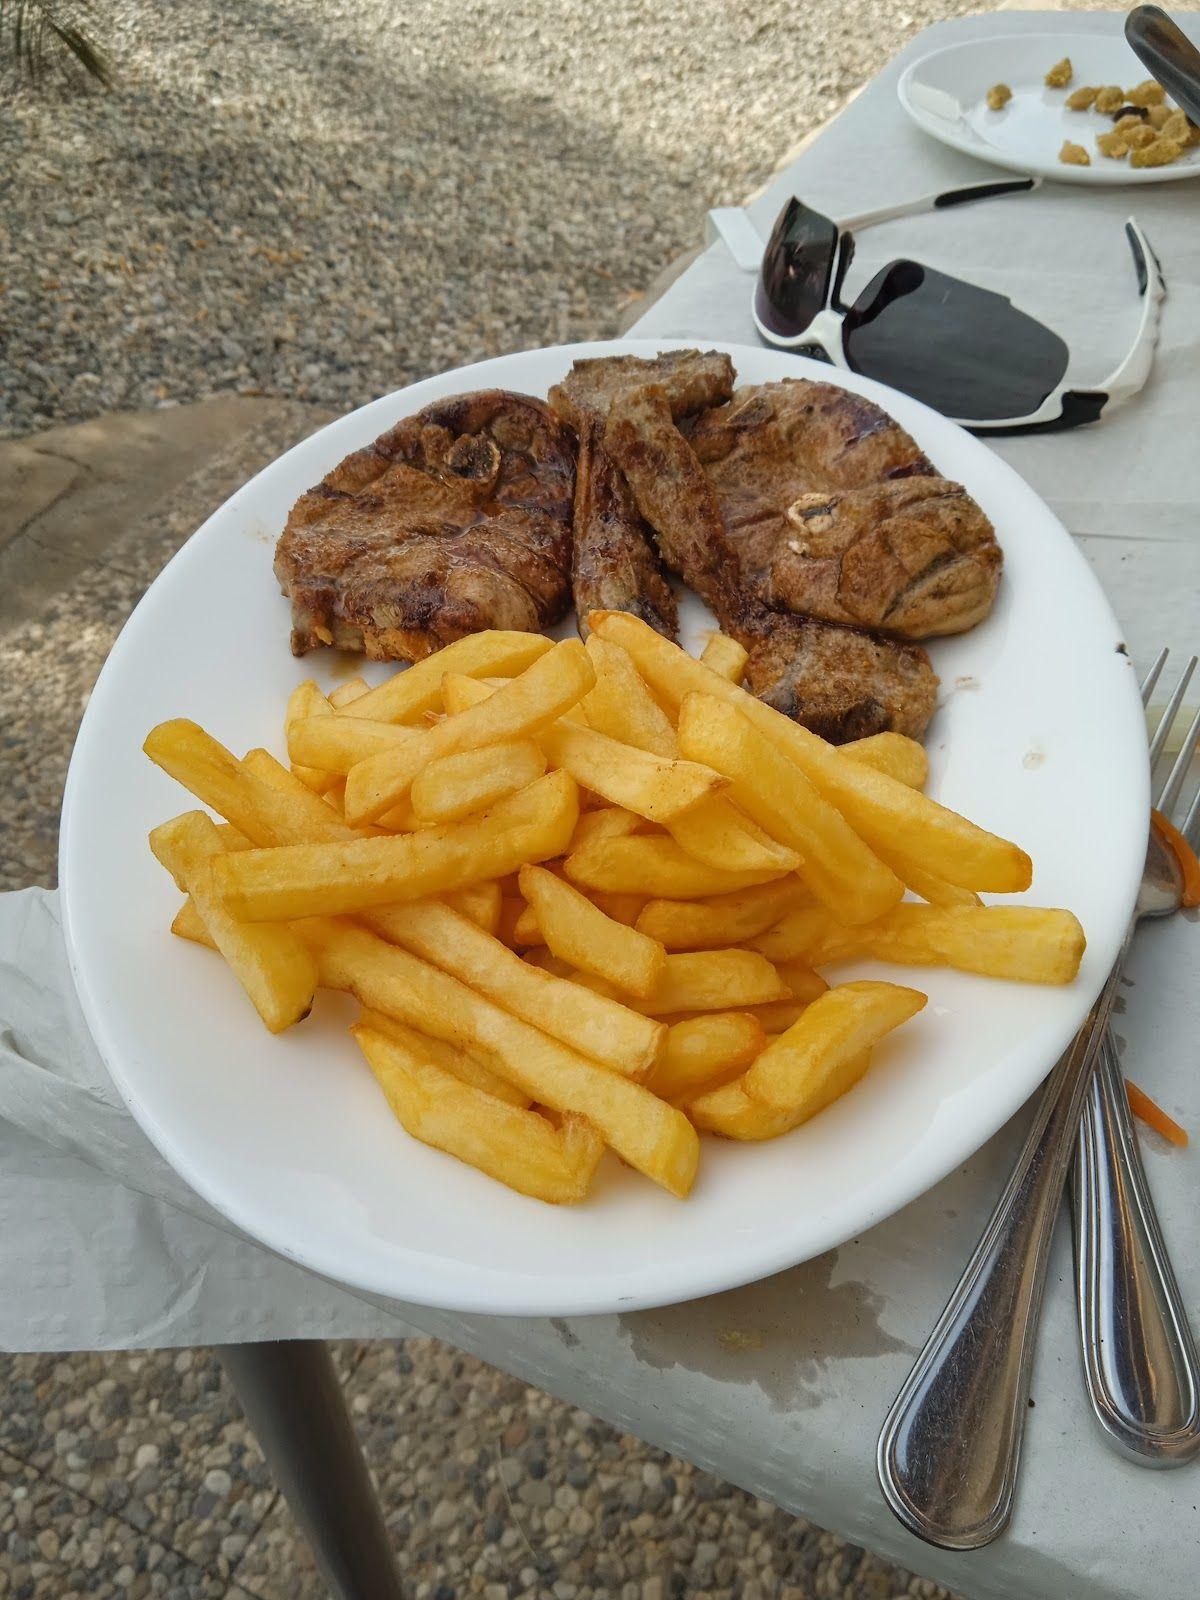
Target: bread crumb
{"x": 1112, "y": 145}
{"x": 1123, "y": 124}
{"x": 1081, "y": 99}
{"x": 1109, "y": 99}
{"x": 1074, "y": 155}
{"x": 1160, "y": 153}
{"x": 1139, "y": 138}
{"x": 1147, "y": 93}
{"x": 1157, "y": 116}
{"x": 1174, "y": 127}
{"x": 1059, "y": 75}
{"x": 998, "y": 96}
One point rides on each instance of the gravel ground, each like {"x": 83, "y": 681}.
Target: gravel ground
{"x": 325, "y": 200}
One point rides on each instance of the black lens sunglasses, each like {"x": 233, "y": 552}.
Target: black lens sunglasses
{"x": 967, "y": 352}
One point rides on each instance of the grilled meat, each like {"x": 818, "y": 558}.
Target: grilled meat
{"x": 613, "y": 565}
{"x": 455, "y": 520}
{"x": 835, "y": 513}
{"x": 839, "y": 681}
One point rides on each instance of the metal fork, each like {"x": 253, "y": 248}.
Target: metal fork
{"x": 950, "y": 1446}
{"x": 1140, "y": 1364}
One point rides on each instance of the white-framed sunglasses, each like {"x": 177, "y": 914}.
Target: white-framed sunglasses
{"x": 966, "y": 351}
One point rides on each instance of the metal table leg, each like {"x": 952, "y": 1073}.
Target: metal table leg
{"x": 290, "y": 1393}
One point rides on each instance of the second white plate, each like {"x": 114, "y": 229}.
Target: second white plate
{"x": 945, "y": 93}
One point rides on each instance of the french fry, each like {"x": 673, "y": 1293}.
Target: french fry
{"x": 610, "y": 822}
{"x": 459, "y": 785}
{"x": 796, "y": 935}
{"x": 836, "y": 865}
{"x": 655, "y": 1138}
{"x": 621, "y": 706}
{"x": 525, "y": 930}
{"x": 720, "y": 835}
{"x": 652, "y": 786}
{"x": 721, "y": 920}
{"x": 624, "y": 908}
{"x": 580, "y": 933}
{"x": 733, "y": 1114}
{"x": 777, "y": 1016}
{"x": 352, "y": 875}
{"x": 347, "y": 693}
{"x": 188, "y": 924}
{"x": 519, "y": 1147}
{"x": 265, "y": 814}
{"x": 469, "y": 1065}
{"x": 479, "y": 903}
{"x": 596, "y": 1026}
{"x": 713, "y": 980}
{"x": 554, "y": 682}
{"x": 306, "y": 700}
{"x": 228, "y": 838}
{"x": 803, "y": 1070}
{"x": 417, "y": 689}
{"x": 1027, "y": 944}
{"x": 930, "y": 888}
{"x": 656, "y": 866}
{"x": 880, "y": 809}
{"x": 460, "y": 693}
{"x": 725, "y": 656}
{"x": 894, "y": 753}
{"x": 273, "y": 966}
{"x": 513, "y": 913}
{"x": 804, "y": 983}
{"x": 705, "y": 1052}
{"x": 335, "y": 744}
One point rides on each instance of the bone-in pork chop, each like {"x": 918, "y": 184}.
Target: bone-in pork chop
{"x": 455, "y": 520}
{"x": 615, "y": 565}
{"x": 836, "y": 513}
{"x": 839, "y": 681}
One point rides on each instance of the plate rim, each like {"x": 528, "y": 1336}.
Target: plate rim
{"x": 584, "y": 1296}
{"x": 1117, "y": 177}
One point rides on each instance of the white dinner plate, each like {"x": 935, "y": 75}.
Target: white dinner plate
{"x": 945, "y": 93}
{"x": 1039, "y": 736}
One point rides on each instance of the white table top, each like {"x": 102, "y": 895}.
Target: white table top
{"x": 780, "y": 1387}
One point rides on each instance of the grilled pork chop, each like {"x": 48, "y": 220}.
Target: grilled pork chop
{"x": 455, "y": 520}
{"x": 835, "y": 513}
{"x": 839, "y": 681}
{"x": 615, "y": 566}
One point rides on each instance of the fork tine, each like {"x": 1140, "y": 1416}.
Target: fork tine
{"x": 1170, "y": 789}
{"x": 1171, "y": 712}
{"x": 1154, "y": 674}
{"x": 1189, "y": 830}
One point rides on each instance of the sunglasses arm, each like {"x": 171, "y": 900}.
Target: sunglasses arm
{"x": 941, "y": 201}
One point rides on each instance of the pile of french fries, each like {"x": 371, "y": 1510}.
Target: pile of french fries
{"x": 582, "y": 894}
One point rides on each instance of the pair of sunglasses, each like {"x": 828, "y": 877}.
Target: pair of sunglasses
{"x": 966, "y": 351}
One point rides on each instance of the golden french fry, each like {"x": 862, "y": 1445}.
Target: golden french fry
{"x": 228, "y": 839}
{"x": 777, "y": 1016}
{"x": 797, "y": 934}
{"x": 621, "y": 706}
{"x": 653, "y": 865}
{"x": 713, "y": 980}
{"x": 480, "y": 902}
{"x": 933, "y": 889}
{"x": 460, "y": 693}
{"x": 347, "y": 693}
{"x": 725, "y": 656}
{"x": 417, "y": 689}
{"x": 804, "y": 1069}
{"x": 1028, "y": 944}
{"x": 610, "y": 822}
{"x": 335, "y": 744}
{"x": 352, "y": 875}
{"x": 580, "y": 933}
{"x": 469, "y": 1065}
{"x": 265, "y": 814}
{"x": 704, "y": 1052}
{"x": 653, "y": 787}
{"x": 653, "y": 1137}
{"x": 514, "y": 923}
{"x": 598, "y": 1027}
{"x": 804, "y": 983}
{"x": 273, "y": 966}
{"x": 306, "y": 700}
{"x": 720, "y": 835}
{"x": 624, "y": 908}
{"x": 524, "y": 706}
{"x": 188, "y": 924}
{"x": 519, "y": 1147}
{"x": 836, "y": 865}
{"x": 733, "y": 1114}
{"x": 722, "y": 920}
{"x": 456, "y": 786}
{"x": 900, "y": 757}
{"x": 879, "y": 809}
